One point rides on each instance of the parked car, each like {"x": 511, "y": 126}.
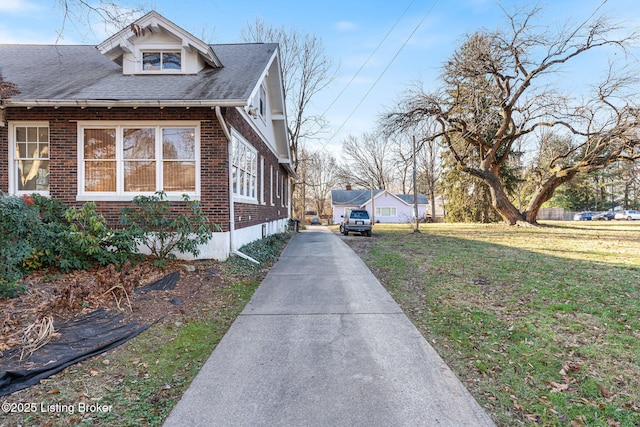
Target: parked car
{"x": 315, "y": 221}
{"x": 357, "y": 220}
{"x": 628, "y": 215}
{"x": 583, "y": 216}
{"x": 605, "y": 216}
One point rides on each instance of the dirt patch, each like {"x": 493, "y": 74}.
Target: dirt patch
{"x": 361, "y": 245}
{"x": 60, "y": 297}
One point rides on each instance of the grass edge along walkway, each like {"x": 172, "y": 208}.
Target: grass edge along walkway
{"x": 541, "y": 324}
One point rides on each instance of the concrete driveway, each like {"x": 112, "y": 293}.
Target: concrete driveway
{"x": 322, "y": 343}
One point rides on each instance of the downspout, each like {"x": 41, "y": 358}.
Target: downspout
{"x": 232, "y": 221}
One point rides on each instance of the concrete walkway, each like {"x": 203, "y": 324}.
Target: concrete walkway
{"x": 321, "y": 343}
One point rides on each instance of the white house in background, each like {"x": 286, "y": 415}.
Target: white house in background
{"x": 389, "y": 207}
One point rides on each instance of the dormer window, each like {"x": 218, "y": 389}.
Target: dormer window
{"x": 155, "y": 45}
{"x": 162, "y": 61}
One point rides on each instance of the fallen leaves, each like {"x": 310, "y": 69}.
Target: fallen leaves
{"x": 558, "y": 387}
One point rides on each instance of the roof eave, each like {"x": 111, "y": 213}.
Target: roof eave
{"x": 57, "y": 103}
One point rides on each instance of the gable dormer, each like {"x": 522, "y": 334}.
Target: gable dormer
{"x": 155, "y": 45}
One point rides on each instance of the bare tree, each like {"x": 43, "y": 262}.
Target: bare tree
{"x": 496, "y": 93}
{"x": 7, "y": 89}
{"x": 430, "y": 160}
{"x": 306, "y": 70}
{"x": 402, "y": 160}
{"x": 321, "y": 179}
{"x": 367, "y": 161}
{"x": 112, "y": 15}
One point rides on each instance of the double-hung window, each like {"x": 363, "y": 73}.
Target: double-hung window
{"x": 127, "y": 160}
{"x": 30, "y": 157}
{"x": 244, "y": 174}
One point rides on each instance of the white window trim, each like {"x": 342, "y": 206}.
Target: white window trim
{"x": 159, "y": 48}
{"x": 283, "y": 193}
{"x": 119, "y": 194}
{"x": 392, "y": 209}
{"x": 262, "y": 198}
{"x": 238, "y": 197}
{"x": 13, "y": 183}
{"x": 271, "y": 185}
{"x": 262, "y": 103}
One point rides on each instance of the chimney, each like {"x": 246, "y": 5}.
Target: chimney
{"x": 348, "y": 187}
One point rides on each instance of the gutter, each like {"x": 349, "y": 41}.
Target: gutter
{"x": 111, "y": 103}
{"x": 232, "y": 221}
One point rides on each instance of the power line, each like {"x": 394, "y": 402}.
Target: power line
{"x": 368, "y": 58}
{"x": 382, "y": 73}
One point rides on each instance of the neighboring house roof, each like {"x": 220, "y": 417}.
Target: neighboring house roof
{"x": 362, "y": 197}
{"x": 51, "y": 74}
{"x": 351, "y": 197}
{"x": 408, "y": 199}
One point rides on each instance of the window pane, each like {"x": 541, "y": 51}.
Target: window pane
{"x": 100, "y": 176}
{"x": 171, "y": 61}
{"x": 151, "y": 61}
{"x": 21, "y": 134}
{"x": 140, "y": 176}
{"x": 21, "y": 150}
{"x": 33, "y": 175}
{"x": 43, "y": 134}
{"x": 99, "y": 144}
{"x": 234, "y": 179}
{"x": 179, "y": 176}
{"x": 179, "y": 143}
{"x": 32, "y": 134}
{"x": 139, "y": 143}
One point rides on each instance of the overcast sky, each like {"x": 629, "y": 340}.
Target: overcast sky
{"x": 418, "y": 36}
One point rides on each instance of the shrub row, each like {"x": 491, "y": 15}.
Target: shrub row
{"x": 38, "y": 232}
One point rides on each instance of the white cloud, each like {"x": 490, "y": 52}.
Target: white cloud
{"x": 346, "y": 26}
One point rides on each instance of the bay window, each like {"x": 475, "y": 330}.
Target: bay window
{"x": 127, "y": 160}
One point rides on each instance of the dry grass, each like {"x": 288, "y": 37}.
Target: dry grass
{"x": 542, "y": 324}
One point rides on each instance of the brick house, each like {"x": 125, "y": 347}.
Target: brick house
{"x": 152, "y": 108}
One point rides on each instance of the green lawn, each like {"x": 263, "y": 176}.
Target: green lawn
{"x": 541, "y": 324}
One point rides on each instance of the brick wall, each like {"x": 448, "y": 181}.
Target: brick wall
{"x": 246, "y": 214}
{"x": 213, "y": 147}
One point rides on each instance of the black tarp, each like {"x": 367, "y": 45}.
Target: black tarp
{"x": 78, "y": 339}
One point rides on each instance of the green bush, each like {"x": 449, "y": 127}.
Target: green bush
{"x": 87, "y": 239}
{"x": 265, "y": 250}
{"x": 164, "y": 232}
{"x": 20, "y": 228}
{"x": 40, "y": 232}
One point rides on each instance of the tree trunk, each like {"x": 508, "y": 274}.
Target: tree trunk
{"x": 499, "y": 199}
{"x": 545, "y": 193}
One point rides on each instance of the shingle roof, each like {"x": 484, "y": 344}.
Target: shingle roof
{"x": 82, "y": 73}
{"x": 408, "y": 199}
{"x": 360, "y": 197}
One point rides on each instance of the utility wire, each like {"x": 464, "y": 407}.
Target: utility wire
{"x": 368, "y": 58}
{"x": 382, "y": 73}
